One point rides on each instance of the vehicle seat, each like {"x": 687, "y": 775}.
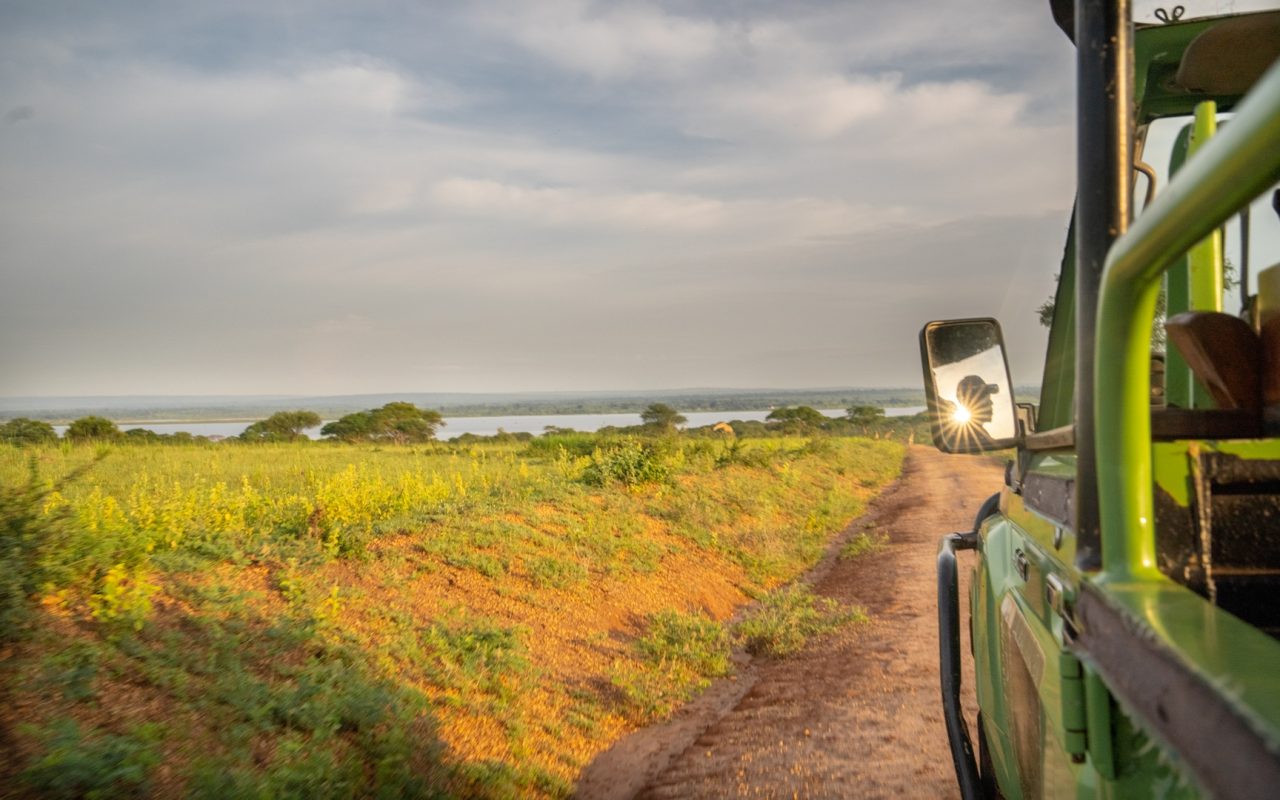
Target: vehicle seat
{"x": 1224, "y": 354}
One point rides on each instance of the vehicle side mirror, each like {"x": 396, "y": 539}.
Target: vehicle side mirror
{"x": 967, "y": 386}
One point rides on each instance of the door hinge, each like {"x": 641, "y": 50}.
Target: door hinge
{"x": 1074, "y": 718}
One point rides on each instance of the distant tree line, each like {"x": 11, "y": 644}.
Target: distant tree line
{"x": 859, "y": 420}
{"x": 405, "y": 423}
{"x": 22, "y": 431}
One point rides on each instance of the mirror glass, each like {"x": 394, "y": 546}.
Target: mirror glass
{"x": 970, "y": 395}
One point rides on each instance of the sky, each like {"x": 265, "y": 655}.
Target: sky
{"x": 319, "y": 198}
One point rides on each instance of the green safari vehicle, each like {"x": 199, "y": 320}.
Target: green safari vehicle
{"x": 1125, "y": 599}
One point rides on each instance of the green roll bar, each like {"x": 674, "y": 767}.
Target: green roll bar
{"x": 1233, "y": 168}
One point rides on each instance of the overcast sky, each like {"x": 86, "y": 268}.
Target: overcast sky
{"x": 263, "y": 197}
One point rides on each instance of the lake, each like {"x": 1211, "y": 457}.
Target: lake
{"x": 488, "y": 426}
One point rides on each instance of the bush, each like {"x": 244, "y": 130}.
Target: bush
{"x": 550, "y": 445}
{"x": 98, "y": 765}
{"x": 92, "y": 428}
{"x": 22, "y": 431}
{"x": 738, "y": 454}
{"x": 28, "y": 539}
{"x": 629, "y": 463}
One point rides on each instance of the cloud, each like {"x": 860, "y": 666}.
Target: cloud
{"x": 607, "y": 41}
{"x": 550, "y": 192}
{"x": 18, "y": 114}
{"x": 573, "y": 207}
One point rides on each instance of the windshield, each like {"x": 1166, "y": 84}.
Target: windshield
{"x": 1159, "y": 11}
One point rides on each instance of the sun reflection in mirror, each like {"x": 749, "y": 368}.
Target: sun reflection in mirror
{"x": 961, "y": 415}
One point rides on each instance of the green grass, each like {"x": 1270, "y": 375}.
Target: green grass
{"x": 788, "y": 618}
{"x": 678, "y": 654}
{"x": 264, "y": 605}
{"x": 863, "y": 544}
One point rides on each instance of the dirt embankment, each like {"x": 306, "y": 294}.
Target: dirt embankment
{"x": 856, "y": 714}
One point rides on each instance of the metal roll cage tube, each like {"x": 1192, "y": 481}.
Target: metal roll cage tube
{"x": 949, "y": 655}
{"x": 1234, "y": 167}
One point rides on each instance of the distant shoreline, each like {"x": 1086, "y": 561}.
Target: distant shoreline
{"x": 155, "y": 410}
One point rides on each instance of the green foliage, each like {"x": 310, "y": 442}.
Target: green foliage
{"x": 799, "y": 415}
{"x": 94, "y": 764}
{"x": 551, "y": 445}
{"x": 323, "y": 681}
{"x": 92, "y": 428}
{"x": 473, "y": 651}
{"x": 628, "y": 462}
{"x": 326, "y": 696}
{"x": 679, "y": 654}
{"x": 124, "y": 601}
{"x": 555, "y": 572}
{"x": 865, "y": 415}
{"x": 141, "y": 435}
{"x": 786, "y": 619}
{"x": 282, "y": 426}
{"x": 661, "y": 416}
{"x": 861, "y": 545}
{"x": 30, "y": 538}
{"x": 695, "y": 640}
{"x": 22, "y": 431}
{"x": 740, "y": 454}
{"x": 400, "y": 423}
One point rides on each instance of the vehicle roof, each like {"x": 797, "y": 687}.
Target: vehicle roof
{"x": 1185, "y": 57}
{"x": 1181, "y": 64}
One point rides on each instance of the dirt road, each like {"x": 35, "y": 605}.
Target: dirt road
{"x": 856, "y": 714}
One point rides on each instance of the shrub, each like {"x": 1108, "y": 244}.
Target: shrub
{"x": 629, "y": 462}
{"x": 22, "y": 431}
{"x": 93, "y": 765}
{"x": 29, "y": 538}
{"x": 737, "y": 453}
{"x": 124, "y": 601}
{"x": 92, "y": 428}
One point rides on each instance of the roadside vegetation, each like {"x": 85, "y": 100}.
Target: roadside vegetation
{"x": 345, "y": 619}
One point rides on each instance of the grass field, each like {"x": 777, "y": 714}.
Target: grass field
{"x": 320, "y": 620}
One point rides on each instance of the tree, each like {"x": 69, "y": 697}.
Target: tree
{"x": 800, "y": 414}
{"x": 661, "y": 415}
{"x": 23, "y": 431}
{"x": 404, "y": 422}
{"x": 865, "y": 415}
{"x": 355, "y": 427}
{"x": 398, "y": 422}
{"x": 141, "y": 435}
{"x": 92, "y": 428}
{"x": 282, "y": 426}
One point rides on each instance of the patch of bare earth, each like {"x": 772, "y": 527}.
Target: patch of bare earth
{"x": 855, "y": 714}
